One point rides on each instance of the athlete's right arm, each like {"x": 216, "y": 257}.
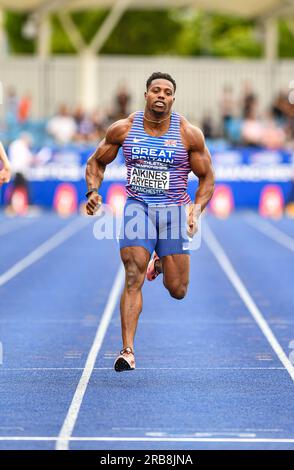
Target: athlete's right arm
{"x": 105, "y": 153}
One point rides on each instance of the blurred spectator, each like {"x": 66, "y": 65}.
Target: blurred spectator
{"x": 84, "y": 124}
{"x": 234, "y": 130}
{"x": 100, "y": 122}
{"x": 62, "y": 127}
{"x": 248, "y": 99}
{"x": 11, "y": 106}
{"x": 227, "y": 108}
{"x": 21, "y": 159}
{"x": 278, "y": 107}
{"x": 252, "y": 129}
{"x": 24, "y": 108}
{"x": 239, "y": 124}
{"x": 122, "y": 101}
{"x": 273, "y": 135}
{"x": 207, "y": 126}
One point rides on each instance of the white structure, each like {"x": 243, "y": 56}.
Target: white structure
{"x": 88, "y": 80}
{"x": 200, "y": 81}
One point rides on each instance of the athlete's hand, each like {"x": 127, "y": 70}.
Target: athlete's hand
{"x": 5, "y": 175}
{"x": 94, "y": 203}
{"x": 192, "y": 221}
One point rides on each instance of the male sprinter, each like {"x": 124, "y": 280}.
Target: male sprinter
{"x": 160, "y": 149}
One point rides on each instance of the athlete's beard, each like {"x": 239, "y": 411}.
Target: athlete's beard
{"x": 152, "y": 115}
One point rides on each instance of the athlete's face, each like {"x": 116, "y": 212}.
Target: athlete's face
{"x": 160, "y": 96}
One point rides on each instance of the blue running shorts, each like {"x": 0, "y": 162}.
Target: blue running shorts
{"x": 155, "y": 227}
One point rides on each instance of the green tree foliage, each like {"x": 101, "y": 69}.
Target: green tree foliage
{"x": 17, "y": 43}
{"x": 144, "y": 33}
{"x": 218, "y": 36}
{"x": 136, "y": 34}
{"x": 88, "y": 22}
{"x": 155, "y": 32}
{"x": 286, "y": 45}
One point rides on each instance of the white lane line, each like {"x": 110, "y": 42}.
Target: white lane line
{"x": 12, "y": 227}
{"x": 49, "y": 245}
{"x": 270, "y": 231}
{"x": 41, "y": 369}
{"x": 72, "y": 414}
{"x": 227, "y": 267}
{"x": 153, "y": 439}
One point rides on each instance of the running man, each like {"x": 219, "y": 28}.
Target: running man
{"x": 160, "y": 148}
{"x": 5, "y": 172}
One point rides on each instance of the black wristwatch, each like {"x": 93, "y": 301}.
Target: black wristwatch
{"x": 90, "y": 191}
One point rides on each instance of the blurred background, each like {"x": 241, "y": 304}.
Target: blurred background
{"x": 69, "y": 68}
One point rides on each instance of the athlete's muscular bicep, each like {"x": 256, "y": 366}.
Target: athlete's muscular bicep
{"x": 201, "y": 165}
{"x": 200, "y": 162}
{"x": 105, "y": 153}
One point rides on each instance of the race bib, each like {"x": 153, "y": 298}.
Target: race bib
{"x": 153, "y": 181}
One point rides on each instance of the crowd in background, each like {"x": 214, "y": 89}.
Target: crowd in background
{"x": 65, "y": 126}
{"x": 236, "y": 120}
{"x": 242, "y": 122}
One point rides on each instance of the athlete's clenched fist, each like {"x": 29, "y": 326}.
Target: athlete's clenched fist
{"x": 94, "y": 203}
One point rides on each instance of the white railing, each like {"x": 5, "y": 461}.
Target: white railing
{"x": 200, "y": 81}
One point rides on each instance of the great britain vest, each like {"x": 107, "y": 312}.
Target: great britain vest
{"x": 157, "y": 167}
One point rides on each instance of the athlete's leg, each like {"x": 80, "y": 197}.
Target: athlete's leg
{"x": 176, "y": 270}
{"x": 135, "y": 260}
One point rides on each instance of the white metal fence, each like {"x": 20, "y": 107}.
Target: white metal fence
{"x": 200, "y": 81}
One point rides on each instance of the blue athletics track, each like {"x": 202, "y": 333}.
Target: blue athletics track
{"x": 214, "y": 371}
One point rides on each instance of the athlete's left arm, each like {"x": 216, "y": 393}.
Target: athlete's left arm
{"x": 201, "y": 165}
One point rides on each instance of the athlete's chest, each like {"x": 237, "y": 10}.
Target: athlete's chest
{"x": 154, "y": 149}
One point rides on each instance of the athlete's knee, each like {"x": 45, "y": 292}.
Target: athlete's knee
{"x": 178, "y": 291}
{"x": 134, "y": 279}
{"x": 134, "y": 271}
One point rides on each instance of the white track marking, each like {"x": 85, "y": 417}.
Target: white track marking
{"x": 44, "y": 369}
{"x": 12, "y": 227}
{"x": 270, "y": 231}
{"x": 49, "y": 245}
{"x": 72, "y": 414}
{"x": 153, "y": 439}
{"x": 227, "y": 267}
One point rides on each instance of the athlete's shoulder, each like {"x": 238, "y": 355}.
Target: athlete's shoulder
{"x": 118, "y": 131}
{"x": 192, "y": 136}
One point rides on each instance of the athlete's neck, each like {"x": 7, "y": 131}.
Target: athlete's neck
{"x": 154, "y": 120}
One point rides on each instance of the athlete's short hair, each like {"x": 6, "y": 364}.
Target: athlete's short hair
{"x": 157, "y": 75}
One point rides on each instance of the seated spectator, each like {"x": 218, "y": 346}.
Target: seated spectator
{"x": 234, "y": 130}
{"x": 252, "y": 128}
{"x": 62, "y": 126}
{"x": 85, "y": 126}
{"x": 207, "y": 126}
{"x": 248, "y": 99}
{"x": 24, "y": 108}
{"x": 273, "y": 135}
{"x": 11, "y": 105}
{"x": 227, "y": 108}
{"x": 21, "y": 159}
{"x": 278, "y": 107}
{"x": 122, "y": 101}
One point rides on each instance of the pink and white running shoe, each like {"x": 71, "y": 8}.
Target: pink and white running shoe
{"x": 125, "y": 360}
